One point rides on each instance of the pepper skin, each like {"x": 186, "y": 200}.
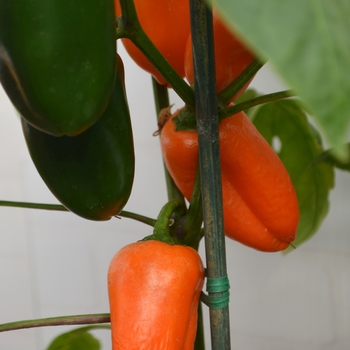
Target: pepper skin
{"x": 154, "y": 289}
{"x": 232, "y": 57}
{"x": 259, "y": 201}
{"x": 167, "y": 24}
{"x": 57, "y": 61}
{"x": 90, "y": 174}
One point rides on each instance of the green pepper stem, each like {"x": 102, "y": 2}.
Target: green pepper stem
{"x": 228, "y": 112}
{"x": 58, "y": 321}
{"x": 161, "y": 96}
{"x": 137, "y": 217}
{"x": 58, "y": 207}
{"x": 200, "y": 342}
{"x": 194, "y": 217}
{"x": 329, "y": 156}
{"x": 128, "y": 26}
{"x": 42, "y": 206}
{"x": 226, "y": 94}
{"x": 161, "y": 99}
{"x": 161, "y": 229}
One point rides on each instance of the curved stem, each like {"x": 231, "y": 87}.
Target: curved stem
{"x": 129, "y": 27}
{"x": 57, "y": 321}
{"x": 162, "y": 225}
{"x": 161, "y": 231}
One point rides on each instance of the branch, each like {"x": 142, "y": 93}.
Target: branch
{"x": 58, "y": 207}
{"x": 56, "y": 321}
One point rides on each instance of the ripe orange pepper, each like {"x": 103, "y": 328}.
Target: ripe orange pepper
{"x": 259, "y": 201}
{"x": 232, "y": 57}
{"x": 154, "y": 290}
{"x": 167, "y": 24}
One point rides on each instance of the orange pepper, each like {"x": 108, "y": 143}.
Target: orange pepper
{"x": 167, "y": 24}
{"x": 259, "y": 201}
{"x": 154, "y": 290}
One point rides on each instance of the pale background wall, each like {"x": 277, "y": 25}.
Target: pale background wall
{"x": 54, "y": 263}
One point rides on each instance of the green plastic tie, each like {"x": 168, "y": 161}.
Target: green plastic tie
{"x": 220, "y": 285}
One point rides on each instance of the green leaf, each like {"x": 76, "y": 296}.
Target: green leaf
{"x": 283, "y": 123}
{"x": 78, "y": 339}
{"x": 307, "y": 42}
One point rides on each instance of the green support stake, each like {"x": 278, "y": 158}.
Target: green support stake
{"x": 209, "y": 161}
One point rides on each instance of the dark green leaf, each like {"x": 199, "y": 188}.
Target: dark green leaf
{"x": 283, "y": 123}
{"x": 308, "y": 44}
{"x": 78, "y": 339}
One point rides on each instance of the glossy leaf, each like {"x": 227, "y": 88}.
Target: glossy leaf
{"x": 285, "y": 126}
{"x": 307, "y": 42}
{"x": 78, "y": 339}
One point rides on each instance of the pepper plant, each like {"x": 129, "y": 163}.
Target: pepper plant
{"x": 240, "y": 188}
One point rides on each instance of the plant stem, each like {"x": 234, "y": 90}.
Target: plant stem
{"x": 330, "y": 157}
{"x": 200, "y": 341}
{"x": 161, "y": 99}
{"x": 137, "y": 217}
{"x": 56, "y": 321}
{"x": 225, "y": 95}
{"x": 161, "y": 228}
{"x": 129, "y": 27}
{"x": 228, "y": 112}
{"x": 58, "y": 207}
{"x": 209, "y": 161}
{"x": 161, "y": 96}
{"x": 194, "y": 217}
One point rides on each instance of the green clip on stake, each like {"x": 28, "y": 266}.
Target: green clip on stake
{"x": 217, "y": 285}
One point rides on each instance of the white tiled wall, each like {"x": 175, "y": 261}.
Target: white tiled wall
{"x": 53, "y": 263}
